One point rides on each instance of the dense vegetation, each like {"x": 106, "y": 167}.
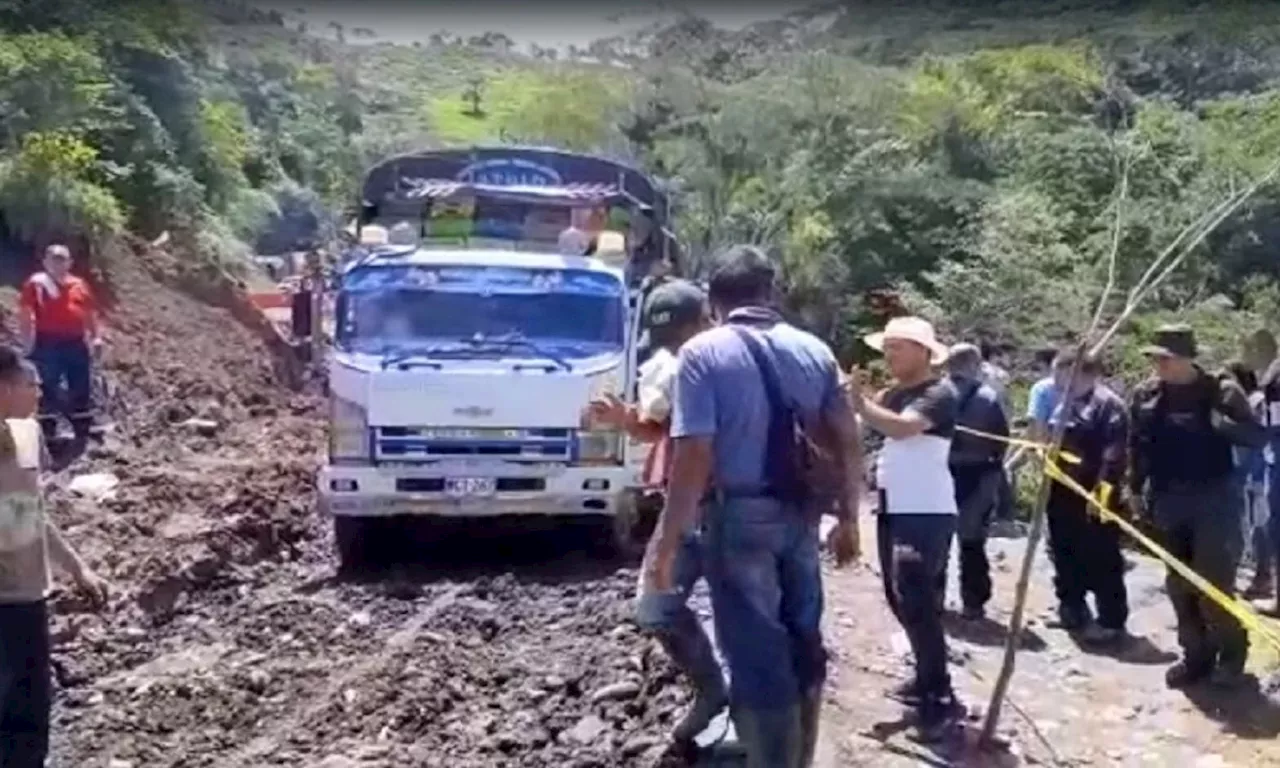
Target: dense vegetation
{"x": 968, "y": 153}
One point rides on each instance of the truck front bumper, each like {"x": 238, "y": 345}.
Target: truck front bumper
{"x": 397, "y": 490}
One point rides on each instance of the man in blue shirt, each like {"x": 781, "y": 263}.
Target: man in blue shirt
{"x": 742, "y": 391}
{"x": 1084, "y": 549}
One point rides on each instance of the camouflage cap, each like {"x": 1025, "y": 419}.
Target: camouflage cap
{"x": 1174, "y": 340}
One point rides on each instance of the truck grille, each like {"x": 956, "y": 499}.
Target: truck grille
{"x": 436, "y": 484}
{"x": 424, "y": 443}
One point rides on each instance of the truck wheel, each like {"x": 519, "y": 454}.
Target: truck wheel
{"x": 625, "y": 539}
{"x": 356, "y": 539}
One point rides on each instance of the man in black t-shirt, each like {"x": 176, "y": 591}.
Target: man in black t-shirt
{"x": 917, "y": 417}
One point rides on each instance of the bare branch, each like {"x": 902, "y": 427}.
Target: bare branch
{"x": 1038, "y": 517}
{"x": 1113, "y": 257}
{"x": 1142, "y": 291}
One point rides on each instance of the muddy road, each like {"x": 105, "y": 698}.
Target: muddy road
{"x": 466, "y": 660}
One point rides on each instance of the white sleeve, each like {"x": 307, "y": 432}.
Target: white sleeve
{"x": 655, "y": 391}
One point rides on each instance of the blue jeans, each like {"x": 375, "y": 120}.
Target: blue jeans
{"x": 668, "y": 616}
{"x": 765, "y": 575}
{"x": 69, "y": 361}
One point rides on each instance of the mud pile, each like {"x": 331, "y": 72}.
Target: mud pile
{"x": 214, "y": 458}
{"x": 230, "y": 643}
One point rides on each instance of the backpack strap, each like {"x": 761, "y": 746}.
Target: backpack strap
{"x": 769, "y": 373}
{"x": 782, "y": 417}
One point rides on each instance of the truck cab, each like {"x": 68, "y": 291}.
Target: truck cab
{"x": 469, "y": 335}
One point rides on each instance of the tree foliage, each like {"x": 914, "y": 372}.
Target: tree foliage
{"x": 48, "y": 187}
{"x": 968, "y": 156}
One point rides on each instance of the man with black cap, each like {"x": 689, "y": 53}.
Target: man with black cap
{"x": 745, "y": 392}
{"x": 675, "y": 312}
{"x": 1185, "y": 422}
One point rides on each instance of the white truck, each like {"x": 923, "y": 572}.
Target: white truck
{"x": 493, "y": 294}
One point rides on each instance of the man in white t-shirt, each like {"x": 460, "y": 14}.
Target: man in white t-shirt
{"x": 675, "y": 312}
{"x": 917, "y": 520}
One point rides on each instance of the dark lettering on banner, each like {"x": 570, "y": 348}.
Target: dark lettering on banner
{"x": 510, "y": 172}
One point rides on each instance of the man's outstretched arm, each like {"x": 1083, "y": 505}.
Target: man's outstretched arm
{"x": 842, "y": 438}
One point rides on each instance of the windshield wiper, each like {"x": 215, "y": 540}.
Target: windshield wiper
{"x": 398, "y": 355}
{"x": 517, "y": 339}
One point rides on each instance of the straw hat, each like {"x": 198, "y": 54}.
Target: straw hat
{"x": 914, "y": 329}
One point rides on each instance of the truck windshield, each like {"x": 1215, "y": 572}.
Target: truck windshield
{"x": 397, "y": 307}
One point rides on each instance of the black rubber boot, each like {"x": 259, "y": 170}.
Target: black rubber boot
{"x": 773, "y": 738}
{"x": 810, "y": 721}
{"x": 1187, "y": 672}
{"x": 709, "y": 700}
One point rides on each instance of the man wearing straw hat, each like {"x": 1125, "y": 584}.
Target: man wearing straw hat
{"x": 1185, "y": 423}
{"x": 917, "y": 416}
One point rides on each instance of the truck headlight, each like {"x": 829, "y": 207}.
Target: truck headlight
{"x": 600, "y": 446}
{"x": 348, "y": 432}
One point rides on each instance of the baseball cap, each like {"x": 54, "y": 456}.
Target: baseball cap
{"x": 673, "y": 304}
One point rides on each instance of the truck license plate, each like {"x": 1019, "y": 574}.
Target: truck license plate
{"x": 459, "y": 487}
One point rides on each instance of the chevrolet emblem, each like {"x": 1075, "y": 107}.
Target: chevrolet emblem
{"x": 473, "y": 411}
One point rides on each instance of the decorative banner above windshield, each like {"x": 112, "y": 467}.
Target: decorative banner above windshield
{"x": 527, "y": 196}
{"x": 467, "y": 279}
{"x": 510, "y": 172}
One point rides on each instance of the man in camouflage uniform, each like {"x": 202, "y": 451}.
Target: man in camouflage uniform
{"x": 1185, "y": 423}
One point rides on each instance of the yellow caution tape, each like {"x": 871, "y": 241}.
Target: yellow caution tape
{"x": 1100, "y": 503}
{"x": 1104, "y": 493}
{"x": 1040, "y": 448}
{"x": 1234, "y": 606}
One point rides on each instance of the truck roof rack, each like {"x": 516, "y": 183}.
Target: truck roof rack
{"x": 565, "y": 194}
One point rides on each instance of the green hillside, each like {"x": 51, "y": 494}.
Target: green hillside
{"x": 968, "y": 153}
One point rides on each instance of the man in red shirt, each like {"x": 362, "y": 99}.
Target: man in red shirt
{"x": 58, "y": 323}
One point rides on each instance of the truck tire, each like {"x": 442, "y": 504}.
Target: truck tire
{"x": 357, "y": 539}
{"x": 625, "y": 540}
